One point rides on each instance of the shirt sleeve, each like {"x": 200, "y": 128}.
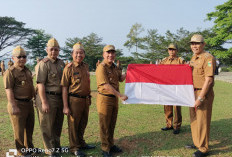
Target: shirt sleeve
{"x": 42, "y": 73}
{"x": 209, "y": 66}
{"x": 65, "y": 81}
{"x": 101, "y": 75}
{"x": 8, "y": 80}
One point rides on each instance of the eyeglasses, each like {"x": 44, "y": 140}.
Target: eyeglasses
{"x": 21, "y": 57}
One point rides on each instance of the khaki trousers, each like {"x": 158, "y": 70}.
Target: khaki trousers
{"x": 108, "y": 110}
{"x": 200, "y": 122}
{"x": 77, "y": 122}
{"x": 51, "y": 123}
{"x": 168, "y": 110}
{"x": 23, "y": 125}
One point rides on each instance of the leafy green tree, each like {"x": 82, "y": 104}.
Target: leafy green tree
{"x": 12, "y": 32}
{"x": 36, "y": 45}
{"x": 222, "y": 18}
{"x": 134, "y": 40}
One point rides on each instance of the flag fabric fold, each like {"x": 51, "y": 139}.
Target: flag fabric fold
{"x": 159, "y": 84}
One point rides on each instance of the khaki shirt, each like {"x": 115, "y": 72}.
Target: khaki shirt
{"x": 49, "y": 73}
{"x": 76, "y": 78}
{"x": 203, "y": 66}
{"x": 20, "y": 81}
{"x": 107, "y": 74}
{"x": 175, "y": 60}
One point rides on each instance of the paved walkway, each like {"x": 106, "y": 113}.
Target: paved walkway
{"x": 224, "y": 76}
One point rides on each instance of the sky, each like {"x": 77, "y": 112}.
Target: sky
{"x": 109, "y": 19}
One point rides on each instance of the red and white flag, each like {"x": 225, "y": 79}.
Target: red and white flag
{"x": 159, "y": 84}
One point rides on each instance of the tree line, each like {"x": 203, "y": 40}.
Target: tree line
{"x": 145, "y": 45}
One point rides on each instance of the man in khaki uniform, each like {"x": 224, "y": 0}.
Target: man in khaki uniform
{"x": 108, "y": 78}
{"x": 19, "y": 90}
{"x": 203, "y": 64}
{"x": 76, "y": 99}
{"x": 168, "y": 109}
{"x": 49, "y": 98}
{"x": 3, "y": 67}
{"x": 10, "y": 63}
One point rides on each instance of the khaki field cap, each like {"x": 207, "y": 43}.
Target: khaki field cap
{"x": 52, "y": 43}
{"x": 197, "y": 38}
{"x": 18, "y": 51}
{"x": 109, "y": 48}
{"x": 77, "y": 46}
{"x": 173, "y": 46}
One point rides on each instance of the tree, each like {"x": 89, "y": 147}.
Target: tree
{"x": 12, "y": 32}
{"x": 222, "y": 18}
{"x": 133, "y": 37}
{"x": 36, "y": 44}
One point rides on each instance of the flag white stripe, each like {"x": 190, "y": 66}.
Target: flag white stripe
{"x": 152, "y": 93}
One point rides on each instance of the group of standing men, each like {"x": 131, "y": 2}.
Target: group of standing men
{"x": 65, "y": 90}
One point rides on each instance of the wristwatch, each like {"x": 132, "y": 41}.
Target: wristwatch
{"x": 200, "y": 99}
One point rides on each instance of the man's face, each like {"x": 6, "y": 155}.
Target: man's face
{"x": 20, "y": 60}
{"x": 109, "y": 56}
{"x": 78, "y": 55}
{"x": 197, "y": 47}
{"x": 172, "y": 52}
{"x": 53, "y": 52}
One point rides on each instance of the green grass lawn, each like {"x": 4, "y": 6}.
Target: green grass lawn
{"x": 138, "y": 128}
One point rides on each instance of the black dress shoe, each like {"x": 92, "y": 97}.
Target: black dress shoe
{"x": 176, "y": 131}
{"x": 199, "y": 154}
{"x": 166, "y": 128}
{"x": 115, "y": 149}
{"x": 190, "y": 146}
{"x": 106, "y": 154}
{"x": 79, "y": 153}
{"x": 88, "y": 147}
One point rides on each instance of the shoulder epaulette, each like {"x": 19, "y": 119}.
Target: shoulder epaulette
{"x": 45, "y": 60}
{"x": 69, "y": 65}
{"x": 207, "y": 54}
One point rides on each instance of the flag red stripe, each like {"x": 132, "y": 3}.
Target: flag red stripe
{"x": 160, "y": 74}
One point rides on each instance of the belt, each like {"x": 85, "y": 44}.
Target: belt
{"x": 197, "y": 89}
{"x": 79, "y": 96}
{"x": 53, "y": 93}
{"x": 109, "y": 95}
{"x": 26, "y": 100}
